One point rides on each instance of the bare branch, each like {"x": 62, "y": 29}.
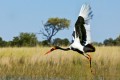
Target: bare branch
{"x": 52, "y": 26}
{"x": 42, "y": 32}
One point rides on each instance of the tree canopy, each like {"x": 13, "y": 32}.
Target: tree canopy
{"x": 112, "y": 42}
{"x": 61, "y": 42}
{"x": 53, "y": 26}
{"x": 24, "y": 39}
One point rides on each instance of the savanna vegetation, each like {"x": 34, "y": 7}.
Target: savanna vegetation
{"x": 31, "y": 64}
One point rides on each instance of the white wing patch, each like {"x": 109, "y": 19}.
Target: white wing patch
{"x": 76, "y": 44}
{"x": 88, "y": 33}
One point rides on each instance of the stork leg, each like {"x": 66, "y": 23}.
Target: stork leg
{"x": 89, "y": 58}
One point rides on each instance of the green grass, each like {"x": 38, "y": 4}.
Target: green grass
{"x": 31, "y": 64}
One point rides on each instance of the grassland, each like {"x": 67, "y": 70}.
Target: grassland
{"x": 31, "y": 64}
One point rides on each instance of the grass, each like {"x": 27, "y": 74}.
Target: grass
{"x": 31, "y": 64}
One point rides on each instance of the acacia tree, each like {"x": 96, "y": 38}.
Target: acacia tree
{"x": 53, "y": 26}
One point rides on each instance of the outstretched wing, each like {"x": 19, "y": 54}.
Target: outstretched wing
{"x": 82, "y": 23}
{"x": 80, "y": 30}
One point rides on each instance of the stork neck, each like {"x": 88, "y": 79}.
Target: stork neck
{"x": 65, "y": 49}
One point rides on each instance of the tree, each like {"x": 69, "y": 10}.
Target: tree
{"x": 65, "y": 42}
{"x": 112, "y": 42}
{"x": 45, "y": 43}
{"x": 2, "y": 42}
{"x": 16, "y": 41}
{"x": 53, "y": 26}
{"x": 61, "y": 42}
{"x": 25, "y": 39}
{"x": 117, "y": 41}
{"x": 109, "y": 42}
{"x": 57, "y": 41}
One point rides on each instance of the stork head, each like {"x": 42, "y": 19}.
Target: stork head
{"x": 52, "y": 49}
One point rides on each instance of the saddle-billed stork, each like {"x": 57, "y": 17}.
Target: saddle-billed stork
{"x": 81, "y": 42}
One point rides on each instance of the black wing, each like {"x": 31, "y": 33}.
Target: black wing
{"x": 80, "y": 30}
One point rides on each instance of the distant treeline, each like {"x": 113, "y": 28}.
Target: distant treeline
{"x": 30, "y": 40}
{"x": 24, "y": 39}
{"x": 109, "y": 42}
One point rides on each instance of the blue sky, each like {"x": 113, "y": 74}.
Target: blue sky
{"x": 18, "y": 16}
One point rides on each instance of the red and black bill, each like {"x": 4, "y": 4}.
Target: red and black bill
{"x": 54, "y": 48}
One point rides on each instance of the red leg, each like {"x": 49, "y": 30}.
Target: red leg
{"x": 89, "y": 58}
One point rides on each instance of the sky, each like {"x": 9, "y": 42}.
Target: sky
{"x": 18, "y": 16}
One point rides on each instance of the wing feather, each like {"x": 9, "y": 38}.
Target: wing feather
{"x": 84, "y": 19}
{"x": 80, "y": 30}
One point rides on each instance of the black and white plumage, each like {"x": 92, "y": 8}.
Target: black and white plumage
{"x": 81, "y": 42}
{"x": 81, "y": 33}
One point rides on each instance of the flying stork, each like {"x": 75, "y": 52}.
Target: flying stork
{"x": 81, "y": 42}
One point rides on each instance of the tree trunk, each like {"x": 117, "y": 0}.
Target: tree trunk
{"x": 49, "y": 39}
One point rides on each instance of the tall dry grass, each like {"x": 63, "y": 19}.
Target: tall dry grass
{"x": 31, "y": 64}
